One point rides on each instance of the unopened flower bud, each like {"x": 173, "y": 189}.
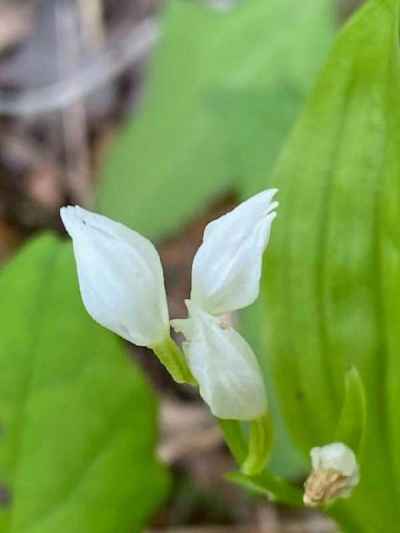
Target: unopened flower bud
{"x": 334, "y": 474}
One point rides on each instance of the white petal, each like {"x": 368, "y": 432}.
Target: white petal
{"x": 227, "y": 267}
{"x": 336, "y": 456}
{"x": 224, "y": 365}
{"x": 120, "y": 277}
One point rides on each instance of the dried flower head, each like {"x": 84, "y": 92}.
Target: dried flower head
{"x": 334, "y": 474}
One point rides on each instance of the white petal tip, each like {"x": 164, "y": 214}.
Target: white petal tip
{"x": 75, "y": 218}
{"x": 272, "y": 207}
{"x": 268, "y": 195}
{"x": 69, "y": 218}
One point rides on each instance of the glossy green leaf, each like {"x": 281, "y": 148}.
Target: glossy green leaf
{"x": 353, "y": 417}
{"x": 333, "y": 268}
{"x": 78, "y": 421}
{"x": 218, "y": 82}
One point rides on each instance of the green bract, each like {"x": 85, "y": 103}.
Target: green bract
{"x": 333, "y": 280}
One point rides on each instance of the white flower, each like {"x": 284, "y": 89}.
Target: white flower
{"x": 227, "y": 267}
{"x": 334, "y": 474}
{"x": 120, "y": 277}
{"x": 122, "y": 286}
{"x": 224, "y": 365}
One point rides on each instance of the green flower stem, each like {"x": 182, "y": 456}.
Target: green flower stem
{"x": 171, "y": 356}
{"x": 260, "y": 445}
{"x": 234, "y": 438}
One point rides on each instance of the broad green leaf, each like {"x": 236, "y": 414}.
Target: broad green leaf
{"x": 333, "y": 267}
{"x": 78, "y": 421}
{"x": 259, "y": 119}
{"x": 217, "y": 83}
{"x": 353, "y": 417}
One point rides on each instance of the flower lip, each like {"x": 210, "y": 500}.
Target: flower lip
{"x": 224, "y": 366}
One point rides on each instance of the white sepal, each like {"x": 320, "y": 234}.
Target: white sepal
{"x": 224, "y": 366}
{"x": 227, "y": 266}
{"x": 120, "y": 277}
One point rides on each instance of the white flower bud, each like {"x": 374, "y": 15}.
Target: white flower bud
{"x": 227, "y": 267}
{"x": 224, "y": 366}
{"x": 120, "y": 277}
{"x": 334, "y": 474}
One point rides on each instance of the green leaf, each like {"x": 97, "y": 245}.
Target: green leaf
{"x": 333, "y": 267}
{"x": 353, "y": 418}
{"x": 78, "y": 421}
{"x": 217, "y": 83}
{"x": 273, "y": 487}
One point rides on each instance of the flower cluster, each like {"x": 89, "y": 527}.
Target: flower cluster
{"x": 122, "y": 286}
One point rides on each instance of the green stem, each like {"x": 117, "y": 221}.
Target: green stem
{"x": 260, "y": 445}
{"x": 234, "y": 438}
{"x": 171, "y": 356}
